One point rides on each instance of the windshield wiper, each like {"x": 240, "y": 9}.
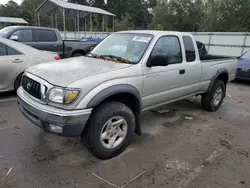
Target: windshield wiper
{"x": 117, "y": 58}
{"x": 113, "y": 57}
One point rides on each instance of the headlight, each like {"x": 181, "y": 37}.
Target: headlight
{"x": 63, "y": 96}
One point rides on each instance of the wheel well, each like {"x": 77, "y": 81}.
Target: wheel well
{"x": 223, "y": 77}
{"x": 128, "y": 99}
{"x": 79, "y": 51}
{"x": 19, "y": 76}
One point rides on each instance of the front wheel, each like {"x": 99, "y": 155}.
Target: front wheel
{"x": 213, "y": 100}
{"x": 109, "y": 130}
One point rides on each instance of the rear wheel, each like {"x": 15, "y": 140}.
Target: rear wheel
{"x": 213, "y": 100}
{"x": 109, "y": 130}
{"x": 17, "y": 83}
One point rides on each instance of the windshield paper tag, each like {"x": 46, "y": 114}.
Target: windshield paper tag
{"x": 141, "y": 39}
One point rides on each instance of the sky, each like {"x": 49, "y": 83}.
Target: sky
{"x": 5, "y": 1}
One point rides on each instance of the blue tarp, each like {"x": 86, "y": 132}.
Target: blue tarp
{"x": 91, "y": 39}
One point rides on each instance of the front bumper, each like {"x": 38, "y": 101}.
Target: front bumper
{"x": 71, "y": 122}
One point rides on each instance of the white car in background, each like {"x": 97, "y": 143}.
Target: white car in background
{"x": 15, "y": 58}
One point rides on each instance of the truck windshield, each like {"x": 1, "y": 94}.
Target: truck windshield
{"x": 128, "y": 47}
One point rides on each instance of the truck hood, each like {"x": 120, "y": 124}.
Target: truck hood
{"x": 243, "y": 63}
{"x": 64, "y": 72}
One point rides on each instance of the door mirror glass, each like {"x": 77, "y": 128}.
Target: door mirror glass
{"x": 14, "y": 37}
{"x": 158, "y": 60}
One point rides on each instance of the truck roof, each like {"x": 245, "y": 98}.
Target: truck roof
{"x": 154, "y": 32}
{"x": 30, "y": 27}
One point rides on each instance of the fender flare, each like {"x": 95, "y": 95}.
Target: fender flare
{"x": 112, "y": 90}
{"x": 215, "y": 77}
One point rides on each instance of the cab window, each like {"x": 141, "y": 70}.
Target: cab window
{"x": 22, "y": 35}
{"x": 168, "y": 46}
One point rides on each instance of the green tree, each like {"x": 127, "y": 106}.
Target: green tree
{"x": 181, "y": 15}
{"x": 10, "y": 9}
{"x": 137, "y": 13}
{"x": 28, "y": 11}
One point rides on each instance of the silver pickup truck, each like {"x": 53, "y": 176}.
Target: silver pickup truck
{"x": 100, "y": 96}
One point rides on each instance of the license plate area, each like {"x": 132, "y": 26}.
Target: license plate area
{"x": 245, "y": 70}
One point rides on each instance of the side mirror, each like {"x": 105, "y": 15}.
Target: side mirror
{"x": 238, "y": 57}
{"x": 14, "y": 37}
{"x": 158, "y": 60}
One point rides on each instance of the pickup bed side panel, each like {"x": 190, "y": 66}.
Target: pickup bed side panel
{"x": 211, "y": 68}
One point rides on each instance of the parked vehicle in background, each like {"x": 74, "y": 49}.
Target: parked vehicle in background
{"x": 48, "y": 39}
{"x": 243, "y": 67}
{"x": 100, "y": 97}
{"x": 15, "y": 58}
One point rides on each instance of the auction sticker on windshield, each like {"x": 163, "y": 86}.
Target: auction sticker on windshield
{"x": 141, "y": 39}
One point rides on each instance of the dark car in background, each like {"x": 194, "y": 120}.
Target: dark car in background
{"x": 47, "y": 39}
{"x": 243, "y": 67}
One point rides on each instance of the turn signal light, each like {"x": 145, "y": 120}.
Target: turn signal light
{"x": 57, "y": 57}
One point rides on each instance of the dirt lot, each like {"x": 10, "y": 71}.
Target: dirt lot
{"x": 181, "y": 147}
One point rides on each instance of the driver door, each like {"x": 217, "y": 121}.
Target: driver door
{"x": 164, "y": 83}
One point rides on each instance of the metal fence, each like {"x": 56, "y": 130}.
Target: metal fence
{"x": 83, "y": 34}
{"x": 225, "y": 43}
{"x": 220, "y": 43}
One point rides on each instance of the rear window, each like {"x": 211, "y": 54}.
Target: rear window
{"x": 12, "y": 51}
{"x": 45, "y": 35}
{"x": 3, "y": 49}
{"x": 189, "y": 49}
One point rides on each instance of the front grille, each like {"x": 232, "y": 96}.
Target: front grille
{"x": 32, "y": 87}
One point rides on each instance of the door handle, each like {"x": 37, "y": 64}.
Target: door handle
{"x": 55, "y": 45}
{"x": 17, "y": 61}
{"x": 182, "y": 71}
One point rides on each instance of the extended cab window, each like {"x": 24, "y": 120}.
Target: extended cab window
{"x": 45, "y": 35}
{"x": 168, "y": 46}
{"x": 23, "y": 35}
{"x": 189, "y": 49}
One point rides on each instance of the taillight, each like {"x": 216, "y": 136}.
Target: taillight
{"x": 57, "y": 57}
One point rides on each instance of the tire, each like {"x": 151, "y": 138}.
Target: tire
{"x": 97, "y": 126}
{"x": 209, "y": 102}
{"x": 77, "y": 54}
{"x": 17, "y": 83}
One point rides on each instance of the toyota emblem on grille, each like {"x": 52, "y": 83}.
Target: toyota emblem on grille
{"x": 28, "y": 86}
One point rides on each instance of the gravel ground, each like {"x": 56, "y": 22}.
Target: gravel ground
{"x": 182, "y": 146}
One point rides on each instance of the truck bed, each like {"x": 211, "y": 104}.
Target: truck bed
{"x": 208, "y": 57}
{"x": 211, "y": 64}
